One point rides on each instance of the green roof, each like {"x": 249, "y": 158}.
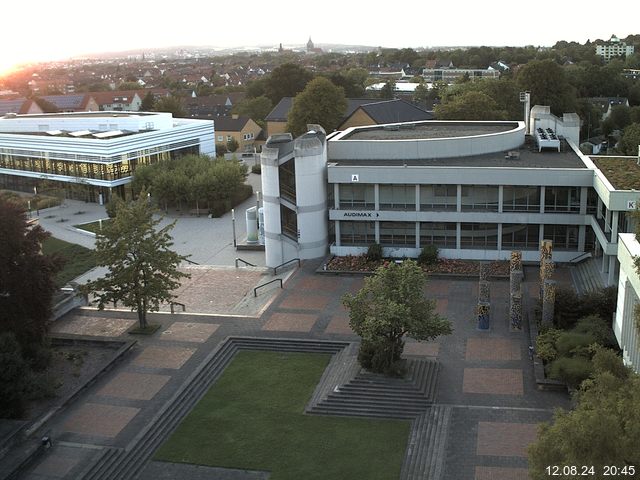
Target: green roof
{"x": 622, "y": 172}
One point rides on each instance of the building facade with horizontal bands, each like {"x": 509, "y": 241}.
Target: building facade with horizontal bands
{"x": 93, "y": 154}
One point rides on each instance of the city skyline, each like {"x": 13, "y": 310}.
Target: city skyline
{"x": 58, "y": 33}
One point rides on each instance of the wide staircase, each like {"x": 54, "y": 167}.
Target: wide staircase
{"x": 587, "y": 277}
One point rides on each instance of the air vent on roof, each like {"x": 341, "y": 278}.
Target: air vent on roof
{"x": 408, "y": 126}
{"x": 80, "y": 133}
{"x": 54, "y": 132}
{"x": 512, "y": 155}
{"x": 10, "y": 115}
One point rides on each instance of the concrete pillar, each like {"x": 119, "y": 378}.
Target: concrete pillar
{"x": 614, "y": 226}
{"x": 611, "y": 278}
{"x": 484, "y": 271}
{"x": 459, "y": 199}
{"x": 599, "y": 210}
{"x": 376, "y": 197}
{"x": 336, "y": 196}
{"x": 417, "y": 234}
{"x": 542, "y": 193}
{"x": 515, "y": 311}
{"x": 337, "y": 232}
{"x": 607, "y": 221}
{"x": 484, "y": 292}
{"x": 584, "y": 194}
{"x": 500, "y": 200}
{"x": 417, "y": 198}
{"x": 458, "y": 234}
{"x": 499, "y": 237}
{"x": 377, "y": 227}
{"x": 605, "y": 262}
{"x": 483, "y": 318}
{"x": 582, "y": 237}
{"x": 548, "y": 302}
{"x": 515, "y": 262}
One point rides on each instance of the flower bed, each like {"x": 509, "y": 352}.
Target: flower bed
{"x": 359, "y": 263}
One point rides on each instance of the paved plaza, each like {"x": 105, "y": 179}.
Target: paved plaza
{"x": 486, "y": 377}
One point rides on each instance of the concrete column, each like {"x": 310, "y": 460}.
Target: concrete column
{"x": 599, "y": 210}
{"x": 584, "y": 193}
{"x": 377, "y": 232}
{"x": 541, "y": 233}
{"x": 605, "y": 262}
{"x": 500, "y": 200}
{"x": 607, "y": 221}
{"x": 376, "y": 197}
{"x": 548, "y": 302}
{"x": 483, "y": 311}
{"x": 582, "y": 237}
{"x": 499, "y": 237}
{"x": 542, "y": 191}
{"x": 611, "y": 278}
{"x": 336, "y": 196}
{"x": 614, "y": 226}
{"x": 458, "y": 233}
{"x": 417, "y": 234}
{"x": 459, "y": 199}
{"x": 337, "y": 232}
{"x": 417, "y": 198}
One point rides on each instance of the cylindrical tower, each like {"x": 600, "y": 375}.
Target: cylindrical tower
{"x": 271, "y": 201}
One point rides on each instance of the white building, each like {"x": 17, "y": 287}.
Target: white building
{"x": 614, "y": 48}
{"x": 97, "y": 150}
{"x": 624, "y": 325}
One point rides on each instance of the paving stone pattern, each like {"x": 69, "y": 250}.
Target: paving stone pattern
{"x": 485, "y": 394}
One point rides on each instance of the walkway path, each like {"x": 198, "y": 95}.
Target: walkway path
{"x": 486, "y": 382}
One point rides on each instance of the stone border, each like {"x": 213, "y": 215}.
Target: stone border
{"x": 542, "y": 381}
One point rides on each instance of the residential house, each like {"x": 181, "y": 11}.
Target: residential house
{"x": 213, "y": 105}
{"x": 80, "y": 102}
{"x": 606, "y": 104}
{"x": 19, "y": 106}
{"x": 388, "y": 111}
{"x": 244, "y": 130}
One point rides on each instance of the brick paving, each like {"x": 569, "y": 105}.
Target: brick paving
{"x": 163, "y": 357}
{"x": 493, "y": 349}
{"x": 101, "y": 420}
{"x": 486, "y": 378}
{"x": 495, "y": 381}
{"x": 505, "y": 439}
{"x": 189, "y": 331}
{"x": 135, "y": 386}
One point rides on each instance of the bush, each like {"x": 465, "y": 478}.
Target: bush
{"x": 374, "y": 252}
{"x": 219, "y": 208}
{"x": 221, "y": 149}
{"x": 428, "y": 255}
{"x": 573, "y": 371}
{"x": 573, "y": 343}
{"x": 257, "y": 168}
{"x": 598, "y": 328}
{"x": 14, "y": 377}
{"x": 569, "y": 306}
{"x": 546, "y": 345}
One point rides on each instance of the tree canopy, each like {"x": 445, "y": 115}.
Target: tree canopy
{"x": 389, "y": 306}
{"x": 630, "y": 140}
{"x": 287, "y": 80}
{"x": 255, "y": 108}
{"x": 320, "y": 103}
{"x": 470, "y": 105}
{"x": 172, "y": 105}
{"x": 604, "y": 427}
{"x": 143, "y": 270}
{"x": 548, "y": 84}
{"x": 27, "y": 280}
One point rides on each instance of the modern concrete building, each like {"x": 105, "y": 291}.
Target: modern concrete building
{"x": 624, "y": 326}
{"x": 97, "y": 151}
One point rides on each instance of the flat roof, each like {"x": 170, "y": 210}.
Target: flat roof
{"x": 529, "y": 157}
{"x": 82, "y": 114}
{"x": 429, "y": 130}
{"x": 622, "y": 172}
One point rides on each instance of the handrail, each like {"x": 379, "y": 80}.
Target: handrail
{"x": 238, "y": 259}
{"x": 255, "y": 290}
{"x": 275, "y": 269}
{"x": 583, "y": 254}
{"x": 172, "y": 304}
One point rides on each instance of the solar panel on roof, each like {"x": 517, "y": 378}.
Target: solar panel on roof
{"x": 80, "y": 133}
{"x": 109, "y": 134}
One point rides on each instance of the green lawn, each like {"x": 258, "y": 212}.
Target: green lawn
{"x": 77, "y": 258}
{"x": 93, "y": 227}
{"x": 253, "y": 419}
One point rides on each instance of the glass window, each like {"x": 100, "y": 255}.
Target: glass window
{"x": 438, "y": 197}
{"x": 397, "y": 197}
{"x": 562, "y": 200}
{"x": 480, "y": 197}
{"x": 442, "y": 235}
{"x": 289, "y": 222}
{"x": 398, "y": 234}
{"x": 520, "y": 236}
{"x": 357, "y": 196}
{"x": 520, "y": 199}
{"x": 287, "y": 177}
{"x": 564, "y": 237}
{"x": 357, "y": 233}
{"x": 479, "y": 236}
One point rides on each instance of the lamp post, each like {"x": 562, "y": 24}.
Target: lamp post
{"x": 233, "y": 226}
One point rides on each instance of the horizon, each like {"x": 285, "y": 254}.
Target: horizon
{"x": 494, "y": 23}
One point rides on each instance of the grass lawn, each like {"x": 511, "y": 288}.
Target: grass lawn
{"x": 252, "y": 418}
{"x": 78, "y": 259}
{"x": 93, "y": 227}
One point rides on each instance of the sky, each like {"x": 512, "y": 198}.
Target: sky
{"x": 45, "y": 30}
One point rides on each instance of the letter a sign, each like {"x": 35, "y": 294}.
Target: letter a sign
{"x": 355, "y": 178}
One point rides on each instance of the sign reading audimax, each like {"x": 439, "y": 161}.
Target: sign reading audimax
{"x": 361, "y": 214}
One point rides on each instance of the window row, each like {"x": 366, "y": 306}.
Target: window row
{"x": 472, "y": 197}
{"x": 479, "y": 236}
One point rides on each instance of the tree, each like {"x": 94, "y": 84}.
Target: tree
{"x": 548, "y": 84}
{"x": 14, "y": 377}
{"x": 148, "y": 103}
{"x": 602, "y": 429}
{"x": 255, "y": 108}
{"x": 388, "y": 90}
{"x": 143, "y": 270}
{"x": 389, "y": 306}
{"x": 172, "y": 105}
{"x": 26, "y": 282}
{"x": 421, "y": 93}
{"x": 129, "y": 85}
{"x": 287, "y": 80}
{"x": 232, "y": 145}
{"x": 321, "y": 103}
{"x": 630, "y": 140}
{"x": 470, "y": 106}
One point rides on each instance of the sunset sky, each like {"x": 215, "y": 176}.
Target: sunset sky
{"x": 46, "y": 30}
